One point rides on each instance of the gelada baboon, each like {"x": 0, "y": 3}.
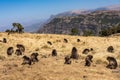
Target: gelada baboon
{"x": 65, "y": 41}
{"x": 74, "y": 54}
{"x": 49, "y": 42}
{"x": 21, "y": 47}
{"x": 10, "y": 51}
{"x": 26, "y": 60}
{"x": 4, "y": 40}
{"x": 86, "y": 51}
{"x": 18, "y": 52}
{"x": 88, "y": 60}
{"x": 34, "y": 57}
{"x": 67, "y": 60}
{"x": 78, "y": 40}
{"x": 112, "y": 63}
{"x": 54, "y": 52}
{"x": 110, "y": 49}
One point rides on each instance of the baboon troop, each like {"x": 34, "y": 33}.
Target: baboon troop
{"x": 88, "y": 60}
{"x": 65, "y": 41}
{"x": 110, "y": 49}
{"x": 74, "y": 54}
{"x": 78, "y": 40}
{"x": 112, "y": 63}
{"x": 4, "y": 40}
{"x": 85, "y": 51}
{"x": 48, "y": 42}
{"x": 26, "y": 60}
{"x": 18, "y": 52}
{"x": 34, "y": 57}
{"x": 20, "y": 47}
{"x": 54, "y": 52}
{"x": 10, "y": 51}
{"x": 67, "y": 60}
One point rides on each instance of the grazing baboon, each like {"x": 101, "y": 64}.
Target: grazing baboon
{"x": 74, "y": 53}
{"x": 65, "y": 40}
{"x": 26, "y": 60}
{"x": 86, "y": 51}
{"x": 10, "y": 51}
{"x": 34, "y": 57}
{"x": 21, "y": 47}
{"x": 67, "y": 60}
{"x": 91, "y": 49}
{"x": 78, "y": 40}
{"x": 18, "y": 52}
{"x": 49, "y": 42}
{"x": 112, "y": 63}
{"x": 4, "y": 40}
{"x": 88, "y": 60}
{"x": 54, "y": 52}
{"x": 110, "y": 49}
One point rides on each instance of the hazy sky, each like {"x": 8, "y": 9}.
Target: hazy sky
{"x": 28, "y": 10}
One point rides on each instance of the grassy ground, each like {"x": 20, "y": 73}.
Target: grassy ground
{"x": 53, "y": 68}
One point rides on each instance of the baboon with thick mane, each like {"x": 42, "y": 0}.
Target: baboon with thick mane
{"x": 54, "y": 52}
{"x": 21, "y": 47}
{"x": 34, "y": 57}
{"x": 112, "y": 63}
{"x": 26, "y": 60}
{"x": 86, "y": 51}
{"x": 10, "y": 51}
{"x": 67, "y": 60}
{"x": 18, "y": 52}
{"x": 74, "y": 54}
{"x": 110, "y": 49}
{"x": 88, "y": 60}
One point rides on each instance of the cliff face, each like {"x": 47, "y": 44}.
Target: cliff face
{"x": 92, "y": 22}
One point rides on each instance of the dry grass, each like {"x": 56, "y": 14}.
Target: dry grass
{"x": 53, "y": 68}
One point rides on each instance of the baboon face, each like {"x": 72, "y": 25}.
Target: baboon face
{"x": 88, "y": 60}
{"x": 34, "y": 57}
{"x": 18, "y": 52}
{"x": 67, "y": 60}
{"x": 112, "y": 63}
{"x": 49, "y": 42}
{"x": 54, "y": 52}
{"x": 85, "y": 51}
{"x": 110, "y": 49}
{"x": 74, "y": 54}
{"x": 78, "y": 40}
{"x": 10, "y": 51}
{"x": 65, "y": 40}
{"x": 26, "y": 60}
{"x": 21, "y": 47}
{"x": 4, "y": 40}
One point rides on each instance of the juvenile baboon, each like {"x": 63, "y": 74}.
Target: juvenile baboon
{"x": 86, "y": 51}
{"x": 26, "y": 60}
{"x": 4, "y": 40}
{"x": 67, "y": 60}
{"x": 54, "y": 52}
{"x": 21, "y": 47}
{"x": 88, "y": 60}
{"x": 49, "y": 42}
{"x": 112, "y": 63}
{"x": 10, "y": 51}
{"x": 34, "y": 57}
{"x": 78, "y": 40}
{"x": 74, "y": 53}
{"x": 65, "y": 40}
{"x": 18, "y": 52}
{"x": 110, "y": 49}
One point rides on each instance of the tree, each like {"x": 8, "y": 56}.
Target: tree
{"x": 19, "y": 27}
{"x": 74, "y": 31}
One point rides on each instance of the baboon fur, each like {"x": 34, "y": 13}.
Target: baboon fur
{"x": 54, "y": 52}
{"x": 10, "y": 51}
{"x": 67, "y": 60}
{"x": 26, "y": 60}
{"x": 112, "y": 63}
{"x": 74, "y": 54}
{"x": 21, "y": 47}
{"x": 110, "y": 49}
{"x": 88, "y": 60}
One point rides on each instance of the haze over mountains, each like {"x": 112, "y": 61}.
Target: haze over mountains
{"x": 83, "y": 20}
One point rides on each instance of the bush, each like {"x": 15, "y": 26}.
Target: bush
{"x": 74, "y": 31}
